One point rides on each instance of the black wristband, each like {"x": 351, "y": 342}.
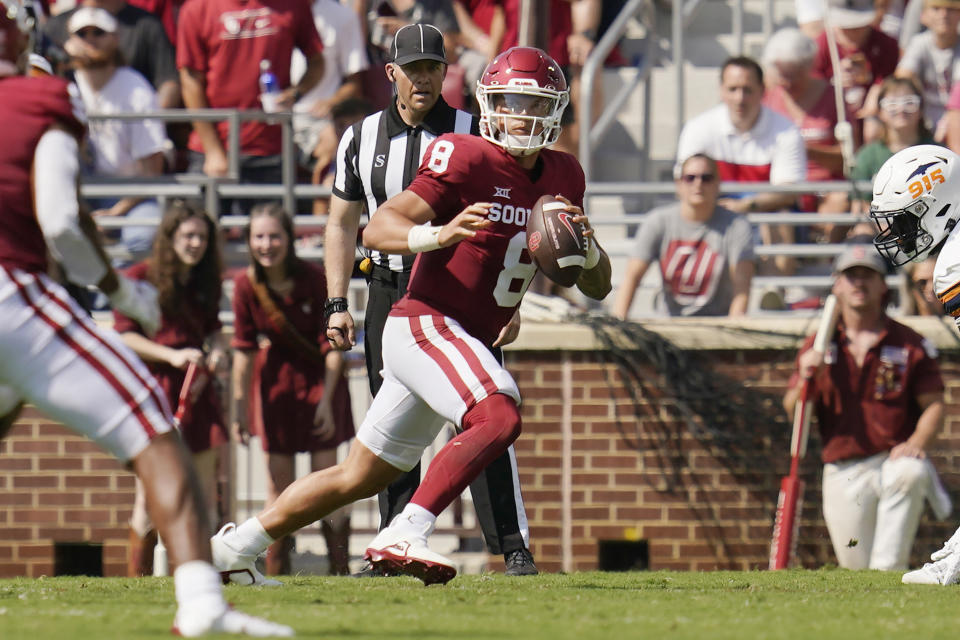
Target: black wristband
{"x": 334, "y": 305}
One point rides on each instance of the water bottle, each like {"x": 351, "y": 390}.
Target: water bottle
{"x": 269, "y": 88}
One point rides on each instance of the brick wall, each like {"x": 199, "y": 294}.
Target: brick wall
{"x": 56, "y": 486}
{"x": 639, "y": 472}
{"x": 700, "y": 505}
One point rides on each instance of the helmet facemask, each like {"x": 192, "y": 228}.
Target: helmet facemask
{"x": 902, "y": 237}
{"x": 502, "y": 106}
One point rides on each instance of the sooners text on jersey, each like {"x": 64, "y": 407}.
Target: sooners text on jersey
{"x": 479, "y": 282}
{"x": 28, "y": 107}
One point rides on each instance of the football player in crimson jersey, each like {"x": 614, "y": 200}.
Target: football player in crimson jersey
{"x": 470, "y": 275}
{"x": 55, "y": 357}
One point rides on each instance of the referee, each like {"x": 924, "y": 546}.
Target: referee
{"x": 377, "y": 159}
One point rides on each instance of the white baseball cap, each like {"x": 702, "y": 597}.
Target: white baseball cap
{"x": 91, "y": 17}
{"x": 851, "y": 14}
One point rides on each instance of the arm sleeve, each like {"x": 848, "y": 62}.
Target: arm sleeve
{"x": 911, "y": 60}
{"x": 741, "y": 241}
{"x": 123, "y": 323}
{"x": 790, "y": 162}
{"x": 149, "y": 135}
{"x": 953, "y": 102}
{"x": 353, "y": 48}
{"x": 946, "y": 275}
{"x": 347, "y": 184}
{"x": 244, "y": 330}
{"x": 646, "y": 245}
{"x": 163, "y": 64}
{"x": 56, "y": 166}
{"x": 926, "y": 373}
{"x": 307, "y": 38}
{"x": 191, "y": 50}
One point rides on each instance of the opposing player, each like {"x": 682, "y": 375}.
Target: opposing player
{"x": 916, "y": 205}
{"x": 55, "y": 358}
{"x": 468, "y": 279}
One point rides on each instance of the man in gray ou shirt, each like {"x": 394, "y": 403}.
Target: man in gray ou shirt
{"x": 705, "y": 252}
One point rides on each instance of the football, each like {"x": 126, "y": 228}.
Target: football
{"x": 555, "y": 242}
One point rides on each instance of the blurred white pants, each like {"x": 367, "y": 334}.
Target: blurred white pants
{"x": 872, "y": 507}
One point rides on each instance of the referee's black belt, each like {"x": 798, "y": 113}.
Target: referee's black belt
{"x": 385, "y": 275}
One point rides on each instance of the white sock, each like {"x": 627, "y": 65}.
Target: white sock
{"x": 198, "y": 588}
{"x": 250, "y": 538}
{"x": 417, "y": 518}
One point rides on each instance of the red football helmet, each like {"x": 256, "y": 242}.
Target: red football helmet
{"x": 522, "y": 84}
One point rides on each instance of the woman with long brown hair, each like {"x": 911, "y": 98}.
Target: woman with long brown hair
{"x": 288, "y": 383}
{"x": 185, "y": 268}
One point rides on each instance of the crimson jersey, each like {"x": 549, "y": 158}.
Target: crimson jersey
{"x": 479, "y": 282}
{"x": 28, "y": 107}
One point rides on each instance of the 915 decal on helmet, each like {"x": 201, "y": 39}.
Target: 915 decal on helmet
{"x": 915, "y": 199}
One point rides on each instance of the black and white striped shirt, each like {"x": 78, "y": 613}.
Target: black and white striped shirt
{"x": 379, "y": 156}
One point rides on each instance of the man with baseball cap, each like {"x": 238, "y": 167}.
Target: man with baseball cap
{"x": 878, "y": 397}
{"x": 867, "y": 55}
{"x": 377, "y": 159}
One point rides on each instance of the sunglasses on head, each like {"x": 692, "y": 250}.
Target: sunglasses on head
{"x": 705, "y": 178}
{"x": 906, "y": 104}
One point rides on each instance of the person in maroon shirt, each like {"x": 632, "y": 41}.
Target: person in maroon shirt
{"x": 471, "y": 271}
{"x": 288, "y": 383}
{"x": 185, "y": 269}
{"x": 867, "y": 56}
{"x": 878, "y": 398}
{"x": 220, "y": 47}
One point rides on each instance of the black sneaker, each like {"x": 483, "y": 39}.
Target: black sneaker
{"x": 371, "y": 571}
{"x": 520, "y": 563}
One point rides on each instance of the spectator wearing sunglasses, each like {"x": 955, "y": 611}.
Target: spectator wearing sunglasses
{"x": 901, "y": 112}
{"x": 750, "y": 143}
{"x": 705, "y": 251}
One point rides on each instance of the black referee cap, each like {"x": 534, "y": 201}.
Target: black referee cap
{"x": 418, "y": 42}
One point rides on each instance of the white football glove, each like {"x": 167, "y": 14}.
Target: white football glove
{"x": 137, "y": 299}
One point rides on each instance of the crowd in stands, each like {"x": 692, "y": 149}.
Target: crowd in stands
{"x": 777, "y": 120}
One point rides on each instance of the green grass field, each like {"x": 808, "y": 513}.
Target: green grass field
{"x": 787, "y": 604}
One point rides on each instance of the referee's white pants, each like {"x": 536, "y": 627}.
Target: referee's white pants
{"x": 872, "y": 508}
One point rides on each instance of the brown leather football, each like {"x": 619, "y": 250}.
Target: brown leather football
{"x": 555, "y": 242}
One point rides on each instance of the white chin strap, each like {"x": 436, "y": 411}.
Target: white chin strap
{"x": 7, "y": 68}
{"x": 522, "y": 145}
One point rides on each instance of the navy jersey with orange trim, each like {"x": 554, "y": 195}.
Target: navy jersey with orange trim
{"x": 28, "y": 107}
{"x": 479, "y": 282}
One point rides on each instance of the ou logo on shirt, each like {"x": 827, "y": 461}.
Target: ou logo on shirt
{"x": 691, "y": 270}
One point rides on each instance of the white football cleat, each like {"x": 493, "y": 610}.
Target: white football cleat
{"x": 229, "y": 621}
{"x": 406, "y": 551}
{"x": 950, "y": 546}
{"x": 234, "y": 566}
{"x": 944, "y": 571}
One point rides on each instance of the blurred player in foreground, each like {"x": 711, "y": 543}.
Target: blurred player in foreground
{"x": 469, "y": 277}
{"x": 916, "y": 204}
{"x": 56, "y": 358}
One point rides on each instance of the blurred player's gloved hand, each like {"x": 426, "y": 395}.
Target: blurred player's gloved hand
{"x": 138, "y": 300}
